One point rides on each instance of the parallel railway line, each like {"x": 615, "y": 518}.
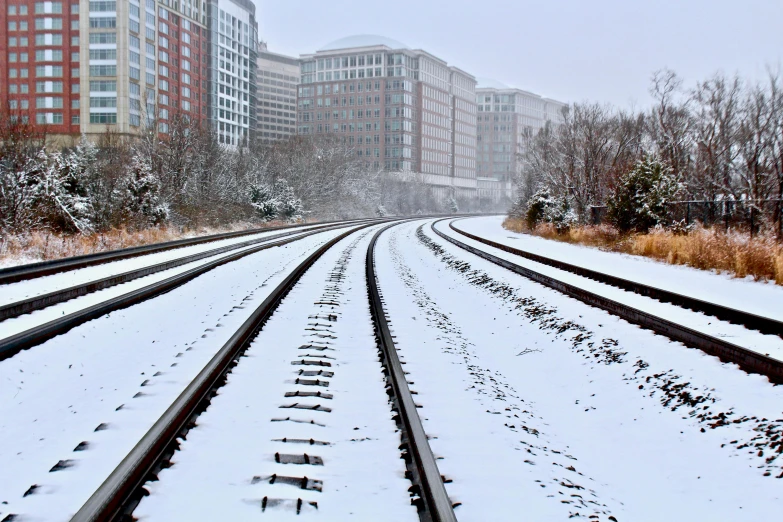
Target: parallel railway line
{"x": 118, "y": 495}
{"x": 34, "y": 270}
{"x": 39, "y": 302}
{"x": 752, "y": 321}
{"x": 13, "y": 344}
{"x": 748, "y": 360}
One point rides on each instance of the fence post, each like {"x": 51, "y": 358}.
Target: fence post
{"x": 688, "y": 212}
{"x": 726, "y": 211}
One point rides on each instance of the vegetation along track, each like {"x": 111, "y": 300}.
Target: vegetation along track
{"x": 39, "y": 302}
{"x": 15, "y": 274}
{"x": 748, "y": 360}
{"x": 41, "y": 333}
{"x": 755, "y": 322}
{"x": 116, "y": 498}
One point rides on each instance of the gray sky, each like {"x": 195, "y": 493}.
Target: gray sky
{"x": 570, "y": 50}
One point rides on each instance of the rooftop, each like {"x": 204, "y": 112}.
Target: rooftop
{"x": 363, "y": 40}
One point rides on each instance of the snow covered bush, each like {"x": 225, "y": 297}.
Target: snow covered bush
{"x": 640, "y": 199}
{"x": 275, "y": 202}
{"x": 63, "y": 196}
{"x": 142, "y": 200}
{"x": 453, "y": 205}
{"x": 542, "y": 207}
{"x": 289, "y": 206}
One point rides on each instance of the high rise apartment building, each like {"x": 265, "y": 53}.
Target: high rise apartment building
{"x": 277, "y": 80}
{"x": 402, "y": 110}
{"x": 505, "y": 117}
{"x": 85, "y": 67}
{"x": 233, "y": 51}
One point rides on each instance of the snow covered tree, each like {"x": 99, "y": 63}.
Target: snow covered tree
{"x": 543, "y": 207}
{"x": 142, "y": 199}
{"x": 640, "y": 199}
{"x": 289, "y": 206}
{"x": 262, "y": 199}
{"x": 453, "y": 205}
{"x": 63, "y": 197}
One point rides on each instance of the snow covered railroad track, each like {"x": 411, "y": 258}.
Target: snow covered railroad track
{"x": 755, "y": 359}
{"x": 20, "y": 333}
{"x": 765, "y": 325}
{"x": 35, "y": 270}
{"x": 322, "y": 438}
{"x": 39, "y": 302}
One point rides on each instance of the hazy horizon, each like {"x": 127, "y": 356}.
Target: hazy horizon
{"x": 602, "y": 51}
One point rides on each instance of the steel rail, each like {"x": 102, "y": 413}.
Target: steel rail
{"x": 15, "y": 274}
{"x": 748, "y": 360}
{"x": 756, "y": 322}
{"x": 14, "y": 344}
{"x": 42, "y": 301}
{"x": 425, "y": 475}
{"x": 117, "y": 495}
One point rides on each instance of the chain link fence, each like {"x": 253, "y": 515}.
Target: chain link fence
{"x": 747, "y": 215}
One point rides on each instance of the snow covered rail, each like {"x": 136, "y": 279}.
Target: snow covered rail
{"x": 39, "y": 302}
{"x": 748, "y": 360}
{"x": 120, "y": 492}
{"x": 31, "y": 271}
{"x": 756, "y": 322}
{"x": 13, "y": 344}
{"x": 436, "y": 506}
{"x": 118, "y": 496}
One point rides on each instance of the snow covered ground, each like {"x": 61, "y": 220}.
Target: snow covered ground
{"x": 765, "y": 299}
{"x": 85, "y": 398}
{"x": 43, "y": 285}
{"x": 230, "y": 455}
{"x": 538, "y": 406}
{"x": 771, "y": 345}
{"x": 543, "y": 408}
{"x": 19, "y": 324}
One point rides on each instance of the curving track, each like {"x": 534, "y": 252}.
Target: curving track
{"x": 749, "y": 359}
{"x": 118, "y": 495}
{"x": 385, "y": 371}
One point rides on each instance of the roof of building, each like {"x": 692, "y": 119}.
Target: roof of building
{"x": 488, "y": 83}
{"x": 363, "y": 40}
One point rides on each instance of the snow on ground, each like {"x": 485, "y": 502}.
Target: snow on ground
{"x": 230, "y": 456}
{"x": 543, "y": 408}
{"x": 771, "y": 345}
{"x": 765, "y": 299}
{"x": 24, "y": 322}
{"x": 14, "y": 292}
{"x": 83, "y": 399}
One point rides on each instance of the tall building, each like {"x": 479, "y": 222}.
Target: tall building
{"x": 505, "y": 116}
{"x": 277, "y": 80}
{"x": 233, "y": 53}
{"x": 88, "y": 66}
{"x": 403, "y": 110}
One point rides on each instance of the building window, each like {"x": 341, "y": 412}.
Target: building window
{"x": 105, "y": 70}
{"x": 109, "y": 23}
{"x": 107, "y": 118}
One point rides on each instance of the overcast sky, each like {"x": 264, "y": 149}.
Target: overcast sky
{"x": 570, "y": 50}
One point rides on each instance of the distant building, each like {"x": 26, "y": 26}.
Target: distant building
{"x": 277, "y": 79}
{"x": 403, "y": 110}
{"x": 233, "y": 53}
{"x": 505, "y": 116}
{"x": 88, "y": 66}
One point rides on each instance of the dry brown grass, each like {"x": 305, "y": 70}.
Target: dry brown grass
{"x": 736, "y": 253}
{"x": 43, "y": 246}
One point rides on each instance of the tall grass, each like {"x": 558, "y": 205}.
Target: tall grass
{"x": 43, "y": 245}
{"x": 736, "y": 253}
